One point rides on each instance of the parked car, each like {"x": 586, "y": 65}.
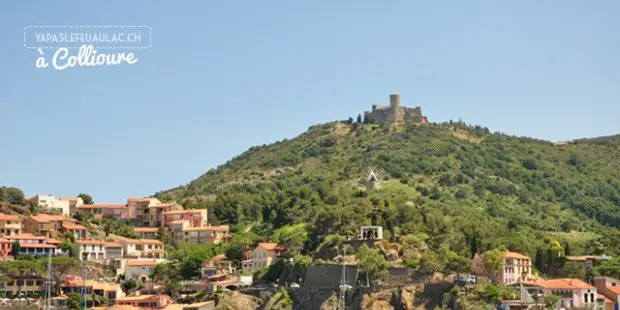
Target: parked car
{"x": 466, "y": 279}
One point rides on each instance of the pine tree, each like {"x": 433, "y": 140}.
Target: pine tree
{"x": 359, "y": 118}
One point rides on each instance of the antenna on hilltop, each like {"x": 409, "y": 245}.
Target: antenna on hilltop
{"x": 343, "y": 283}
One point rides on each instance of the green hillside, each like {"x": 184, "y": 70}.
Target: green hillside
{"x": 458, "y": 188}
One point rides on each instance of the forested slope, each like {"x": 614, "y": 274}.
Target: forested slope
{"x": 455, "y": 187}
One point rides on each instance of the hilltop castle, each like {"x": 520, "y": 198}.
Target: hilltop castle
{"x": 393, "y": 113}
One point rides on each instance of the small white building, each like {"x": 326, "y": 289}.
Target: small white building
{"x": 371, "y": 233}
{"x": 372, "y": 181}
{"x": 50, "y": 202}
{"x": 140, "y": 269}
{"x": 93, "y": 248}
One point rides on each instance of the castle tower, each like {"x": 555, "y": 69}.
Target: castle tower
{"x": 394, "y": 101}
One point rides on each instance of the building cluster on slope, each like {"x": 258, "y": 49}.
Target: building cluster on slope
{"x": 40, "y": 235}
{"x": 516, "y": 270}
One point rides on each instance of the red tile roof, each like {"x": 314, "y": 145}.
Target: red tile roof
{"x": 515, "y": 255}
{"x": 25, "y": 236}
{"x": 189, "y": 211}
{"x": 37, "y": 245}
{"x": 45, "y": 218}
{"x": 94, "y": 242}
{"x": 73, "y": 226}
{"x": 270, "y": 246}
{"x": 9, "y": 217}
{"x": 139, "y": 199}
{"x": 162, "y": 205}
{"x": 615, "y": 289}
{"x": 53, "y": 241}
{"x": 145, "y": 229}
{"x": 102, "y": 206}
{"x": 567, "y": 284}
{"x": 138, "y": 241}
{"x": 208, "y": 228}
{"x": 139, "y": 262}
{"x": 70, "y": 198}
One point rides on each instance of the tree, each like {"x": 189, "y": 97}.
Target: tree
{"x": 15, "y": 195}
{"x": 21, "y": 268}
{"x": 127, "y": 232}
{"x": 493, "y": 262}
{"x": 574, "y": 270}
{"x": 430, "y": 263}
{"x": 372, "y": 263}
{"x": 235, "y": 252}
{"x": 61, "y": 265}
{"x": 350, "y": 121}
{"x": 359, "y": 118}
{"x": 456, "y": 263}
{"x": 71, "y": 248}
{"x": 610, "y": 268}
{"x": 292, "y": 237}
{"x": 164, "y": 236}
{"x": 16, "y": 248}
{"x": 169, "y": 275}
{"x": 189, "y": 268}
{"x": 129, "y": 285}
{"x": 88, "y": 199}
{"x": 75, "y": 301}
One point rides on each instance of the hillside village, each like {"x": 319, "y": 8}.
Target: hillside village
{"x": 378, "y": 242}
{"x": 132, "y": 261}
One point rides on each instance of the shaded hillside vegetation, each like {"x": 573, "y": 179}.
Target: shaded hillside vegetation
{"x": 455, "y": 186}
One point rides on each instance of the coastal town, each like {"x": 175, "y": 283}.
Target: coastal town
{"x": 157, "y": 253}
{"x": 71, "y": 221}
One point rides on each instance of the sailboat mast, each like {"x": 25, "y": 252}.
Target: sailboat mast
{"x": 48, "y": 295}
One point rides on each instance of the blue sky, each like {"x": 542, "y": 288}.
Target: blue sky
{"x": 222, "y": 76}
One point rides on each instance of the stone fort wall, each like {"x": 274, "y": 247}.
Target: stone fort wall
{"x": 386, "y": 114}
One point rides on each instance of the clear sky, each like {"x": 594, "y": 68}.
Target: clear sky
{"x": 222, "y": 76}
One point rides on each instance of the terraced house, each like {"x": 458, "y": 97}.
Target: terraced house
{"x": 517, "y": 267}
{"x": 139, "y": 210}
{"x": 106, "y": 211}
{"x": 30, "y": 244}
{"x": 264, "y": 255}
{"x": 78, "y": 232}
{"x": 110, "y": 291}
{"x": 10, "y": 225}
{"x": 194, "y": 217}
{"x": 146, "y": 232}
{"x": 140, "y": 269}
{"x": 573, "y": 293}
{"x": 50, "y": 202}
{"x": 23, "y": 286}
{"x": 91, "y": 249}
{"x": 204, "y": 235}
{"x": 142, "y": 248}
{"x": 113, "y": 250}
{"x": 47, "y": 225}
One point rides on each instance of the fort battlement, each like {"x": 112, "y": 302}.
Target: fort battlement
{"x": 393, "y": 113}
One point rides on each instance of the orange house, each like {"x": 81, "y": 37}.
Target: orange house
{"x": 195, "y": 217}
{"x": 113, "y": 211}
{"x": 10, "y": 225}
{"x": 145, "y": 301}
{"x": 47, "y": 225}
